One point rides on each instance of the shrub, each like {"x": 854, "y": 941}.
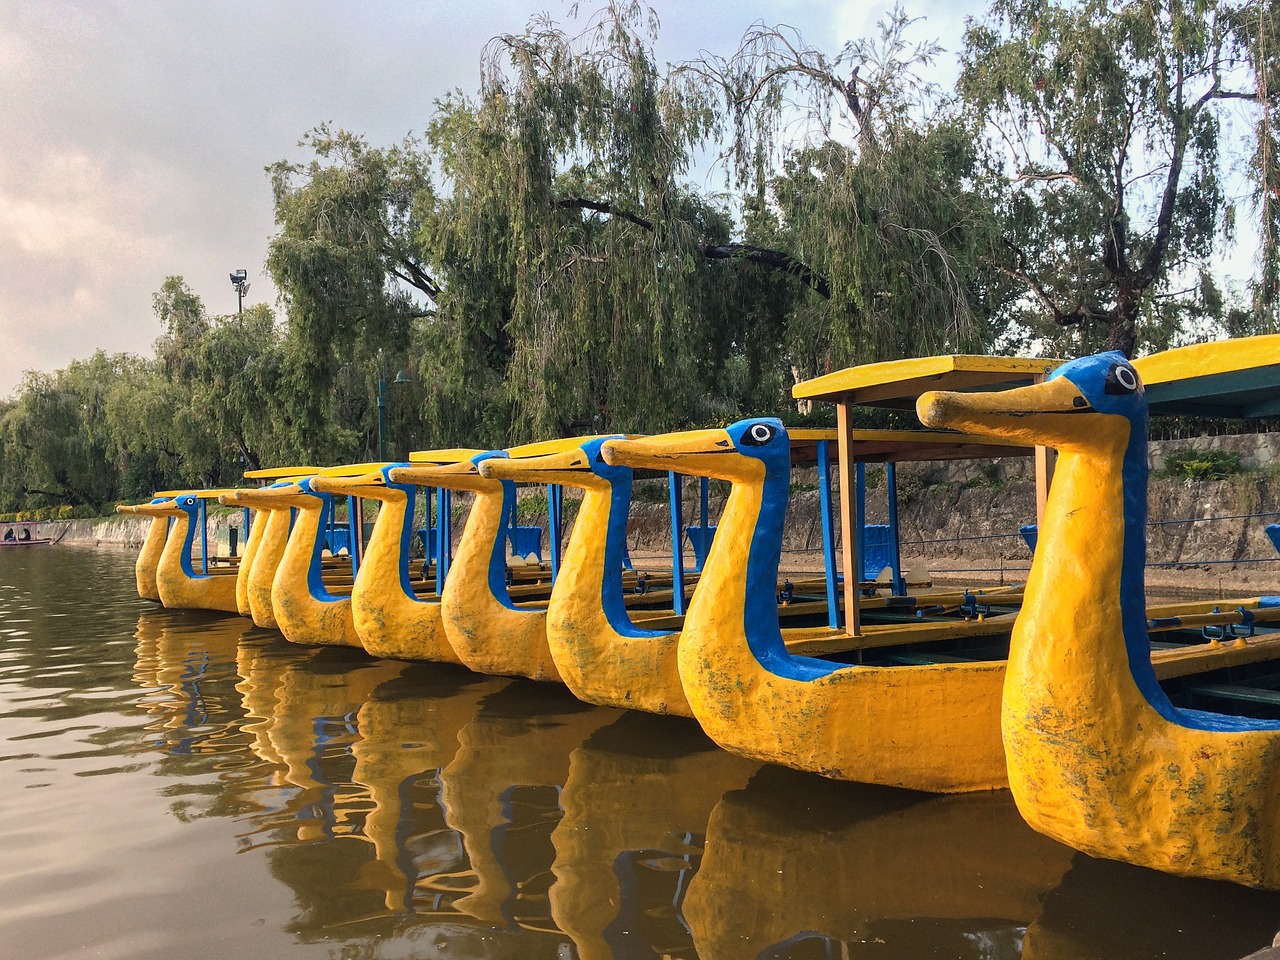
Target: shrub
{"x": 1192, "y": 464}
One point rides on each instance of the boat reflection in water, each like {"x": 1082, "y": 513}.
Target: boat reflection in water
{"x": 421, "y": 809}
{"x": 794, "y": 858}
{"x": 635, "y": 806}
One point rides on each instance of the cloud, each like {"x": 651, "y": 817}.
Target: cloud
{"x": 136, "y": 135}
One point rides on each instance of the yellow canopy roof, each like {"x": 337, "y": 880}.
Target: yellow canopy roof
{"x": 897, "y": 383}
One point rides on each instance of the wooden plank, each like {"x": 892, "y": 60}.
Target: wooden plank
{"x": 1226, "y": 691}
{"x": 849, "y": 542}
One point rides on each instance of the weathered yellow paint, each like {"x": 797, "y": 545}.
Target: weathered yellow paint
{"x": 144, "y": 568}
{"x": 1091, "y": 761}
{"x": 272, "y": 539}
{"x": 488, "y": 635}
{"x": 622, "y": 800}
{"x": 251, "y": 543}
{"x": 923, "y": 727}
{"x": 281, "y": 473}
{"x": 772, "y": 873}
{"x": 300, "y": 615}
{"x": 177, "y": 590}
{"x": 389, "y": 622}
{"x": 597, "y": 663}
{"x": 907, "y": 377}
{"x": 1209, "y": 359}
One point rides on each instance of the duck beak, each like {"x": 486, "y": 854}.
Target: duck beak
{"x": 368, "y": 485}
{"x": 165, "y": 509}
{"x": 696, "y": 452}
{"x": 462, "y": 475}
{"x": 1045, "y": 414}
{"x": 536, "y": 469}
{"x": 268, "y": 498}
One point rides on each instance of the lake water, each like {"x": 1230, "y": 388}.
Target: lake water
{"x": 174, "y": 784}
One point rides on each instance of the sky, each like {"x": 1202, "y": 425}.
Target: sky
{"x": 135, "y": 134}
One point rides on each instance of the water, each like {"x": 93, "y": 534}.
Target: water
{"x": 175, "y": 784}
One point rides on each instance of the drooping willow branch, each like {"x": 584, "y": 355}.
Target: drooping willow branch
{"x": 762, "y": 256}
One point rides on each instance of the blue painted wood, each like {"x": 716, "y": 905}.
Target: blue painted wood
{"x": 203, "y": 510}
{"x": 860, "y": 517}
{"x": 895, "y": 532}
{"x": 444, "y": 542}
{"x": 427, "y": 537}
{"x": 555, "y": 520}
{"x": 677, "y": 543}
{"x": 354, "y": 511}
{"x": 700, "y": 538}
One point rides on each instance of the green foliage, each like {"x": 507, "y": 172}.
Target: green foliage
{"x": 1105, "y": 126}
{"x": 1192, "y": 464}
{"x": 541, "y": 264}
{"x": 1195, "y": 464}
{"x": 878, "y": 195}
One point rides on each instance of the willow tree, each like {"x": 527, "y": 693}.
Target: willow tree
{"x": 352, "y": 279}
{"x": 868, "y": 183}
{"x": 1107, "y": 122}
{"x": 586, "y": 279}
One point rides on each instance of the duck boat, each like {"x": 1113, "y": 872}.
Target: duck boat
{"x": 909, "y": 726}
{"x": 148, "y": 562}
{"x": 598, "y": 651}
{"x": 392, "y": 618}
{"x": 262, "y": 536}
{"x": 177, "y": 584}
{"x": 1099, "y": 757}
{"x": 270, "y": 533}
{"x": 912, "y": 704}
{"x": 308, "y": 610}
{"x": 490, "y": 631}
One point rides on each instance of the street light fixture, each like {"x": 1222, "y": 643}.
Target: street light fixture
{"x": 240, "y": 280}
{"x": 401, "y": 377}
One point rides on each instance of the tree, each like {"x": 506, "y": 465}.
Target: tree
{"x": 58, "y": 446}
{"x": 1106, "y": 121}
{"x": 587, "y": 284}
{"x": 854, "y": 169}
{"x": 352, "y": 276}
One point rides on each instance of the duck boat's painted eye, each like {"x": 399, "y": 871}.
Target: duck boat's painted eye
{"x": 1122, "y": 379}
{"x": 758, "y": 434}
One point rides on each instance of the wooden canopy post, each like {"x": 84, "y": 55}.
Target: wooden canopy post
{"x": 848, "y": 511}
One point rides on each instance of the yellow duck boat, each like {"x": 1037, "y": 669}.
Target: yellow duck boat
{"x": 391, "y": 618}
{"x": 908, "y": 726}
{"x": 258, "y": 572}
{"x": 148, "y": 562}
{"x": 306, "y": 610}
{"x": 599, "y": 653}
{"x": 1098, "y": 755}
{"x": 177, "y": 585}
{"x": 605, "y": 655}
{"x": 489, "y": 631}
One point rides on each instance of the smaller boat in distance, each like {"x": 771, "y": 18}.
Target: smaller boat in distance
{"x": 22, "y": 533}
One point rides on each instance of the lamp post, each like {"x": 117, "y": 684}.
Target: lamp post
{"x": 401, "y": 377}
{"x": 240, "y": 280}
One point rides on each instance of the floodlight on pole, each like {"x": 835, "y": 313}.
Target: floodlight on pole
{"x": 240, "y": 280}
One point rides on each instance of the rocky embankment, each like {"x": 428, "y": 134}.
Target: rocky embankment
{"x": 960, "y": 519}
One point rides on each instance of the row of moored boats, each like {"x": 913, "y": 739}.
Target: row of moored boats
{"x": 1149, "y": 734}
